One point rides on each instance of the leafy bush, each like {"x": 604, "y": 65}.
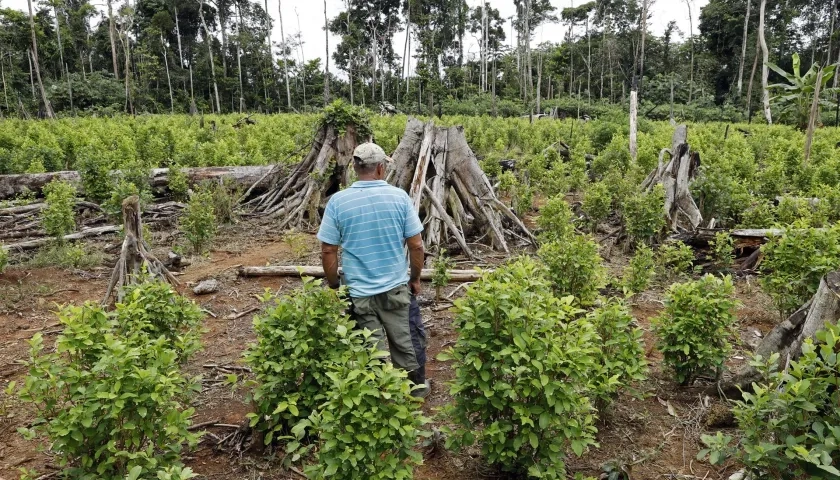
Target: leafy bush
{"x": 597, "y": 203}
{"x": 58, "y": 217}
{"x": 574, "y": 267}
{"x": 178, "y": 183}
{"x": 225, "y": 197}
{"x": 639, "y": 272}
{"x": 790, "y": 423}
{"x": 441, "y": 276}
{"x": 675, "y": 258}
{"x": 644, "y": 214}
{"x": 522, "y": 373}
{"x": 67, "y": 255}
{"x": 723, "y": 249}
{"x": 299, "y": 339}
{"x": 372, "y": 399}
{"x": 110, "y": 398}
{"x": 622, "y": 351}
{"x": 198, "y": 222}
{"x": 121, "y": 191}
{"x": 4, "y": 258}
{"x": 694, "y": 329}
{"x": 795, "y": 262}
{"x": 760, "y": 214}
{"x": 555, "y": 220}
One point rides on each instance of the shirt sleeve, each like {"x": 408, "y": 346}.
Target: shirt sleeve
{"x": 329, "y": 232}
{"x": 412, "y": 226}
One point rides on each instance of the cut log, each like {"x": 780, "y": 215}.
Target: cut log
{"x": 86, "y": 233}
{"x": 787, "y": 338}
{"x": 675, "y": 177}
{"x": 135, "y": 257}
{"x": 241, "y": 177}
{"x": 318, "y": 272}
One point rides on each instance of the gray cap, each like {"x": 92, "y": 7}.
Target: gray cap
{"x": 370, "y": 154}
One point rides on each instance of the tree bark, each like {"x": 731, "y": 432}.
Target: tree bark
{"x": 765, "y": 69}
{"x": 752, "y": 80}
{"x": 691, "y": 39}
{"x": 48, "y": 111}
{"x": 40, "y": 242}
{"x": 209, "y": 40}
{"x": 168, "y": 78}
{"x": 744, "y": 48}
{"x": 112, "y": 36}
{"x": 634, "y": 112}
{"x": 285, "y": 59}
{"x": 326, "y": 57}
{"x": 813, "y": 117}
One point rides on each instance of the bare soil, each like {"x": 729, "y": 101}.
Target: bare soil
{"x": 656, "y": 437}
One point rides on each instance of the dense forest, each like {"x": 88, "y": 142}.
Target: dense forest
{"x": 159, "y": 56}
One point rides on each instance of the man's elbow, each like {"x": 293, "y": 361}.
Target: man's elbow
{"x": 415, "y": 243}
{"x": 328, "y": 249}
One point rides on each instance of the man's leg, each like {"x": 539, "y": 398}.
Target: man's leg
{"x": 393, "y": 309}
{"x": 364, "y": 314}
{"x": 418, "y": 339}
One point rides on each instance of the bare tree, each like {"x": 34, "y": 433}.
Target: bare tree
{"x": 112, "y": 33}
{"x": 283, "y": 50}
{"x": 48, "y": 111}
{"x": 765, "y": 69}
{"x": 691, "y": 40}
{"x": 326, "y": 57}
{"x": 744, "y": 48}
{"x": 209, "y": 40}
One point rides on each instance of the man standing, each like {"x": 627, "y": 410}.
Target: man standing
{"x": 372, "y": 222}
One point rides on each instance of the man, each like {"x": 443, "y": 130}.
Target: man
{"x": 372, "y": 222}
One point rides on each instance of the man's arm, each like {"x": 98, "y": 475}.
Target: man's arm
{"x": 416, "y": 256}
{"x": 329, "y": 260}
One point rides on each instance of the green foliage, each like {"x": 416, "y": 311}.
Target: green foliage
{"x": 597, "y": 203}
{"x": 795, "y": 262}
{"x": 122, "y": 190}
{"x": 723, "y": 249}
{"x": 198, "y": 223}
{"x": 372, "y": 399}
{"x": 644, "y": 214}
{"x": 441, "y": 275}
{"x": 790, "y": 423}
{"x": 639, "y": 272}
{"x": 574, "y": 267}
{"x": 622, "y": 351}
{"x": 340, "y": 114}
{"x": 67, "y": 255}
{"x": 555, "y": 220}
{"x": 522, "y": 373}
{"x": 225, "y": 197}
{"x": 178, "y": 183}
{"x": 760, "y": 214}
{"x": 110, "y": 398}
{"x": 790, "y": 209}
{"x": 299, "y": 340}
{"x": 693, "y": 330}
{"x": 675, "y": 258}
{"x": 4, "y": 258}
{"x": 796, "y": 96}
{"x": 58, "y": 217}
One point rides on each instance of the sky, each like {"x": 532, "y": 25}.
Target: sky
{"x": 307, "y": 16}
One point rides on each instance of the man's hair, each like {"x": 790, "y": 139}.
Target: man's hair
{"x": 364, "y": 168}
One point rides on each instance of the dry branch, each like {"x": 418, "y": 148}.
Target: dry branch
{"x": 39, "y": 242}
{"x": 318, "y": 272}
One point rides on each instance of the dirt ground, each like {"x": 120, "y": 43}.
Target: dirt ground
{"x": 656, "y": 437}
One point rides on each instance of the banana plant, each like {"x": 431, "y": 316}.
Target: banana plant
{"x": 795, "y": 97}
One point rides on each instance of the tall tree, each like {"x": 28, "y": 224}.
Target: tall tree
{"x": 744, "y": 48}
{"x": 765, "y": 69}
{"x": 209, "y": 40}
{"x": 48, "y": 111}
{"x": 112, "y": 32}
{"x": 326, "y": 56}
{"x": 284, "y": 53}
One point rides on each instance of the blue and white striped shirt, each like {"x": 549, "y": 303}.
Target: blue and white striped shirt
{"x": 371, "y": 221}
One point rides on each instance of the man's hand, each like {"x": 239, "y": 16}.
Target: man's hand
{"x": 415, "y": 286}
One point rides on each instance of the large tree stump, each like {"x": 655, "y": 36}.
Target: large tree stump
{"x": 299, "y": 193}
{"x": 675, "y": 177}
{"x": 134, "y": 255}
{"x": 787, "y": 338}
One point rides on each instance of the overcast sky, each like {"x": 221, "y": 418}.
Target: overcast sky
{"x": 308, "y": 17}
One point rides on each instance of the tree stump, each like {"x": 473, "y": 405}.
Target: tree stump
{"x": 135, "y": 257}
{"x": 675, "y": 177}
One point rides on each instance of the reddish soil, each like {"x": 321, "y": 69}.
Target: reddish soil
{"x": 654, "y": 438}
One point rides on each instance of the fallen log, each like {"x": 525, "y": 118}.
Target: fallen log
{"x": 241, "y": 177}
{"x": 701, "y": 237}
{"x": 318, "y": 272}
{"x": 39, "y": 242}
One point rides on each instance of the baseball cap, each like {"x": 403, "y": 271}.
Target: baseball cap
{"x": 370, "y": 154}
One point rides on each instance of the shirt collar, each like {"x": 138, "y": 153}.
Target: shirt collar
{"x": 368, "y": 183}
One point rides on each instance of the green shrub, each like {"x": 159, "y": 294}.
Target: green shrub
{"x": 693, "y": 331}
{"x": 574, "y": 267}
{"x": 522, "y": 373}
{"x": 555, "y": 220}
{"x": 675, "y": 258}
{"x": 644, "y": 214}
{"x": 597, "y": 203}
{"x": 790, "y": 209}
{"x": 4, "y": 258}
{"x": 621, "y": 351}
{"x": 790, "y": 423}
{"x": 372, "y": 399}
{"x": 198, "y": 223}
{"x": 121, "y": 191}
{"x": 58, "y": 217}
{"x": 178, "y": 183}
{"x": 760, "y": 214}
{"x": 639, "y": 272}
{"x": 299, "y": 339}
{"x": 67, "y": 255}
{"x": 795, "y": 262}
{"x": 441, "y": 276}
{"x": 110, "y": 398}
{"x": 225, "y": 196}
{"x": 723, "y": 249}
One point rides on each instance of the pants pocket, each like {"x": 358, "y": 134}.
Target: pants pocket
{"x": 397, "y": 298}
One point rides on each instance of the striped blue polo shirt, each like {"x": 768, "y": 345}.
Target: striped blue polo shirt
{"x": 371, "y": 221}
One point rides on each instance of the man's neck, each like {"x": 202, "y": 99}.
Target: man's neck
{"x": 368, "y": 178}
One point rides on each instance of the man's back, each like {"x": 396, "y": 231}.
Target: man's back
{"x": 370, "y": 221}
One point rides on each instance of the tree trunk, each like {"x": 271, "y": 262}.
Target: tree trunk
{"x": 58, "y": 38}
{"x": 168, "y": 78}
{"x": 814, "y": 117}
{"x": 644, "y": 19}
{"x": 326, "y": 58}
{"x": 634, "y": 112}
{"x": 744, "y": 48}
{"x": 752, "y": 80}
{"x": 48, "y": 111}
{"x": 691, "y": 39}
{"x": 112, "y": 33}
{"x": 285, "y": 59}
{"x": 134, "y": 255}
{"x": 209, "y": 40}
{"x": 40, "y": 242}
{"x": 239, "y": 60}
{"x": 765, "y": 69}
